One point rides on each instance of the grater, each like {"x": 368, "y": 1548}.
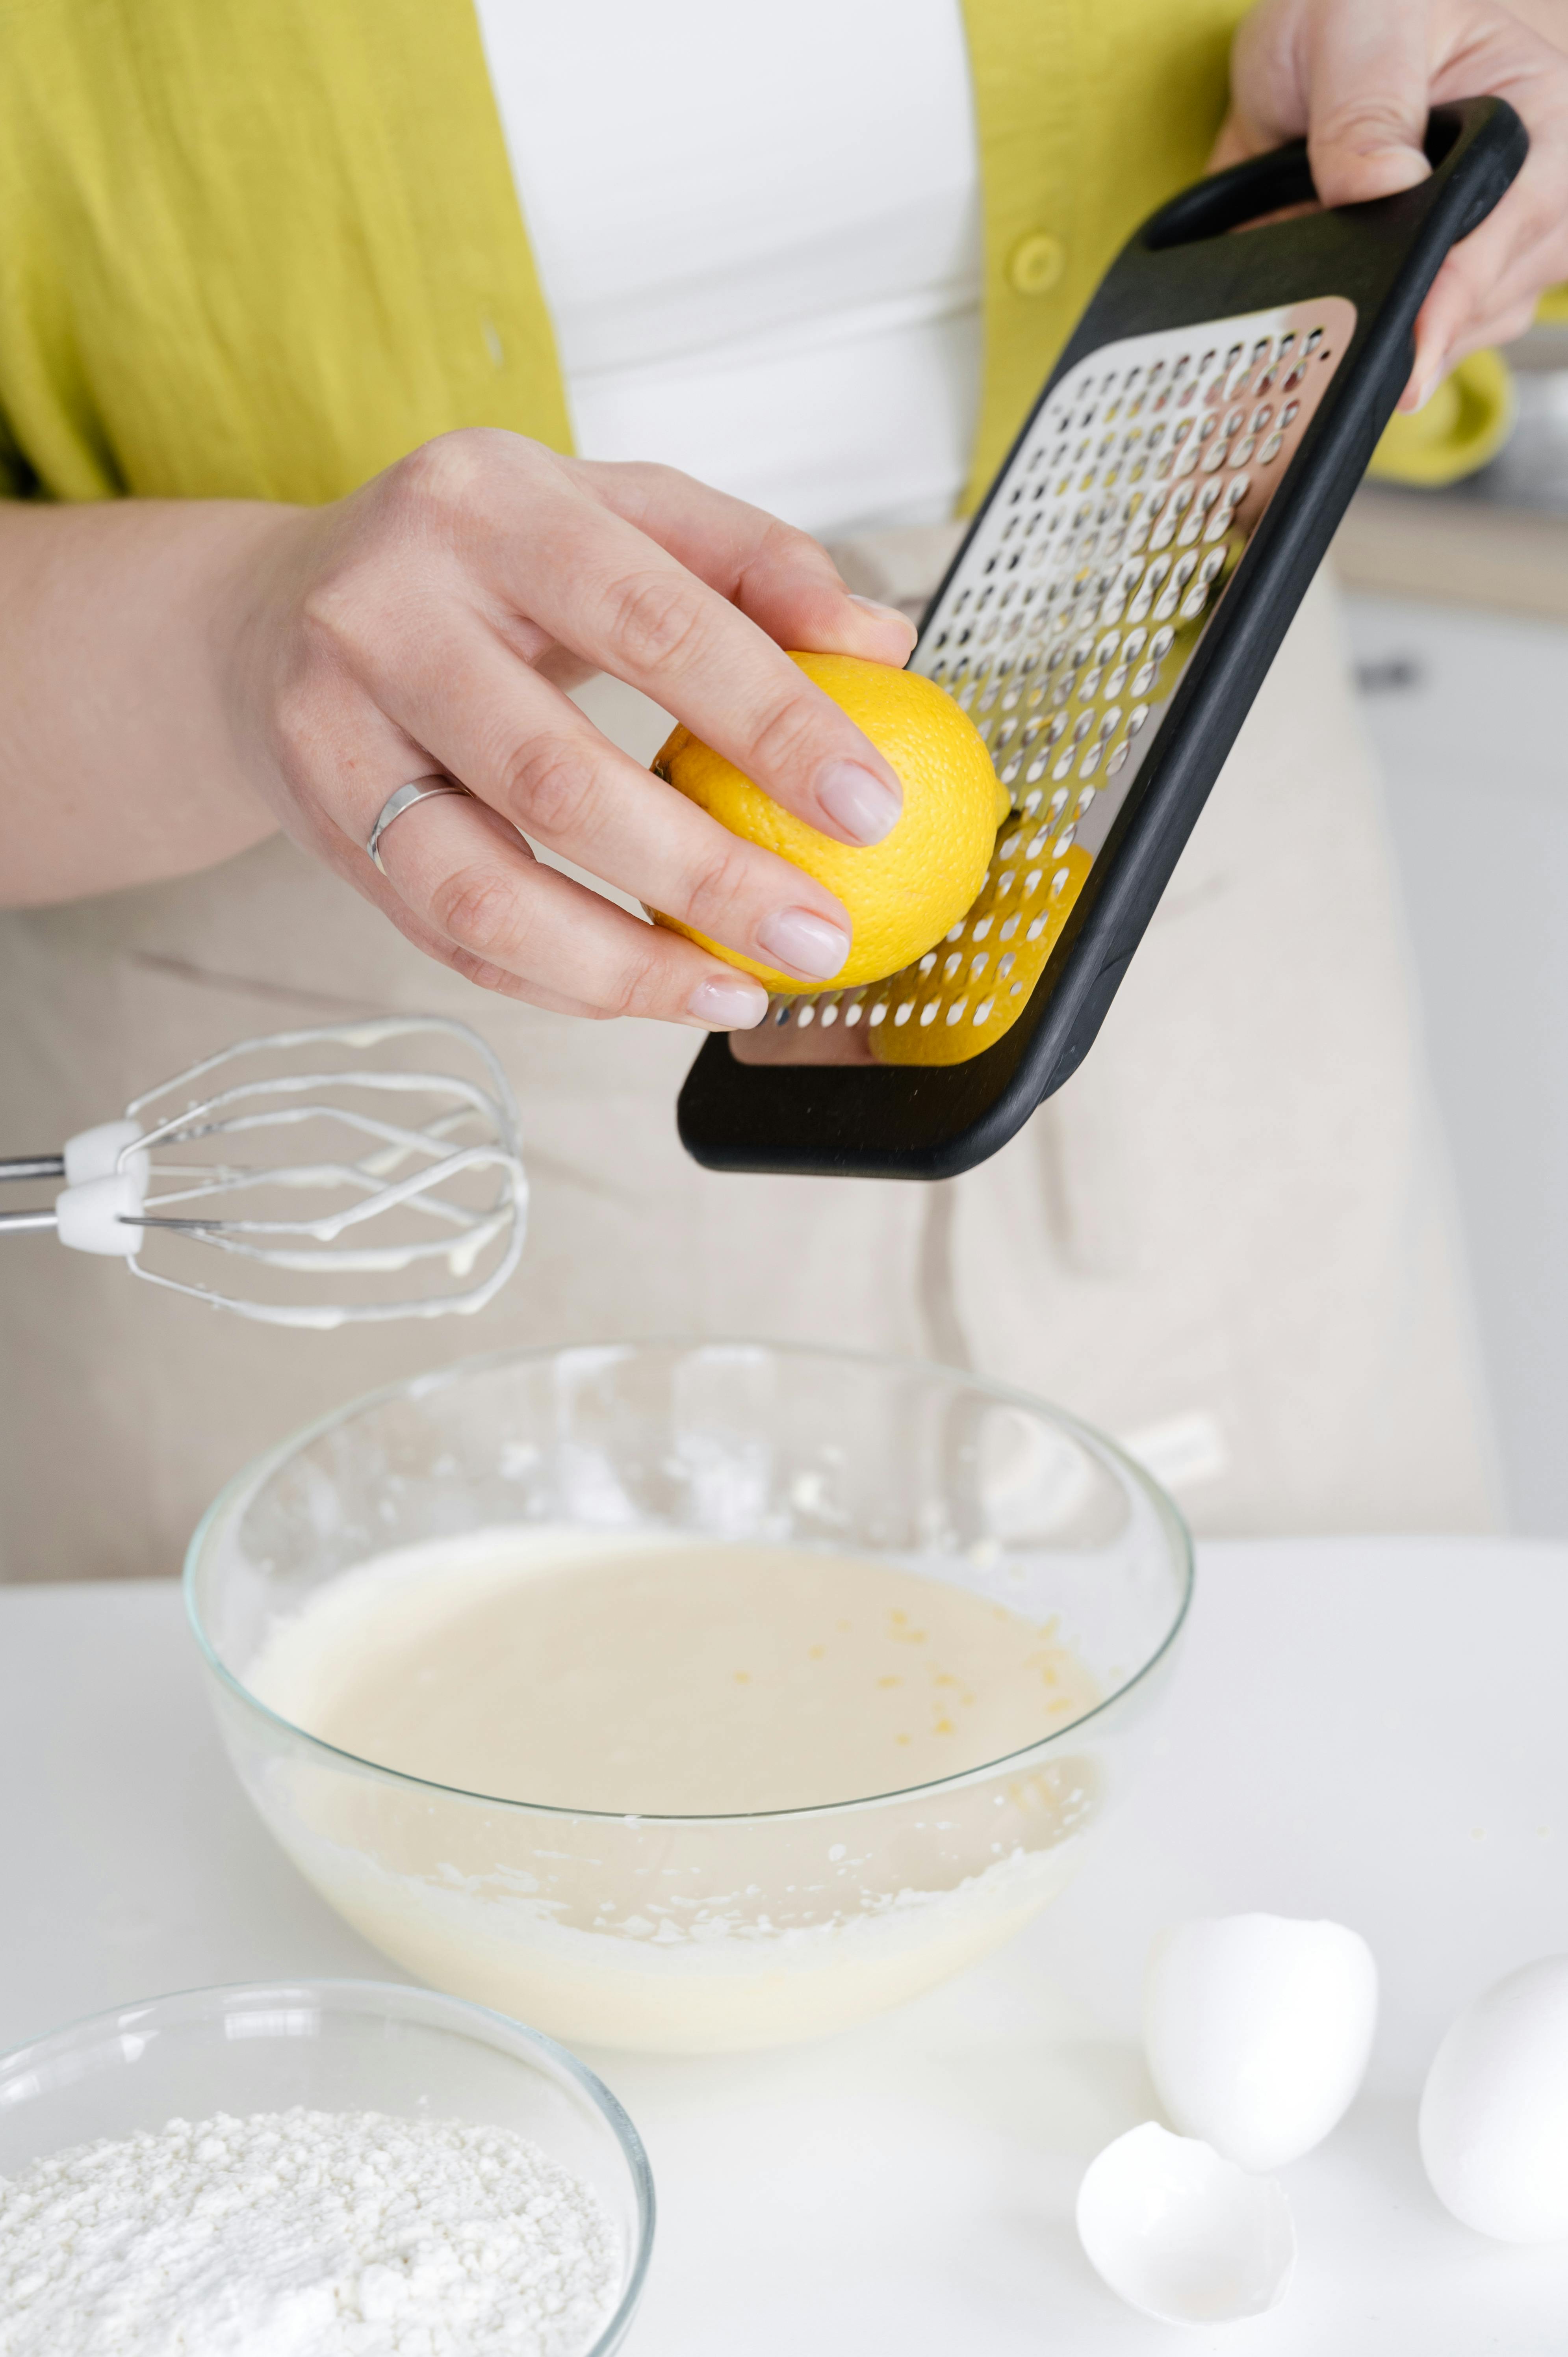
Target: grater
{"x": 1106, "y": 623}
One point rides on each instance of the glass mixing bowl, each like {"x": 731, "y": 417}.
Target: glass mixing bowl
{"x": 331, "y": 2046}
{"x": 685, "y": 1934}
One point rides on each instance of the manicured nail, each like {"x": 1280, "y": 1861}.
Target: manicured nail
{"x": 860, "y": 802}
{"x": 728, "y": 1005}
{"x": 807, "y": 945}
{"x": 885, "y": 613}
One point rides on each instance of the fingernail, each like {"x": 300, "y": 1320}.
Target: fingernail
{"x": 809, "y": 945}
{"x": 860, "y": 802}
{"x": 726, "y": 1004}
{"x": 884, "y": 613}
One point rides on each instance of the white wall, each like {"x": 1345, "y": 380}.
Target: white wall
{"x": 1470, "y": 713}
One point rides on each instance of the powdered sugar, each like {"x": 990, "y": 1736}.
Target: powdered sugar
{"x": 304, "y": 2233}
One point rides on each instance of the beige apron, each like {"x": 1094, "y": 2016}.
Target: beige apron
{"x": 1228, "y": 1236}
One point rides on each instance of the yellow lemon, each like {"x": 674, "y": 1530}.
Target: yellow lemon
{"x": 903, "y": 893}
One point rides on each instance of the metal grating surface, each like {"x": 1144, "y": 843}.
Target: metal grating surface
{"x": 1064, "y": 634}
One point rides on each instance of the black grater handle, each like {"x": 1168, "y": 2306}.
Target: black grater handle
{"x": 1477, "y": 142}
{"x": 1230, "y": 200}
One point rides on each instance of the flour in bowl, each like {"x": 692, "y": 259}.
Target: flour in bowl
{"x": 304, "y": 2233}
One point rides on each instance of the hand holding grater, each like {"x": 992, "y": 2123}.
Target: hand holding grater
{"x": 1107, "y": 623}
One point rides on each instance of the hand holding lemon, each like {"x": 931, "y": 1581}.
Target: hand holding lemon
{"x": 903, "y": 893}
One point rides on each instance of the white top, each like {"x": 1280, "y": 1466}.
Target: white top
{"x": 759, "y": 238}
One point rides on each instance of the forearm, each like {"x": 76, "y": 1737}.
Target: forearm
{"x": 117, "y": 761}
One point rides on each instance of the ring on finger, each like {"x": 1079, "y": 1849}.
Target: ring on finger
{"x": 418, "y": 790}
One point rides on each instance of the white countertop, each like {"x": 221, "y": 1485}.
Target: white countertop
{"x": 1373, "y": 1731}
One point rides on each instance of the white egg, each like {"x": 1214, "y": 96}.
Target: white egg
{"x": 1182, "y": 2234}
{"x": 1494, "y": 2113}
{"x": 1258, "y": 2030}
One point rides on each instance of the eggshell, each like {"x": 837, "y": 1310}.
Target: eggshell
{"x": 1258, "y": 2029}
{"x": 1181, "y": 2235}
{"x": 1494, "y": 2113}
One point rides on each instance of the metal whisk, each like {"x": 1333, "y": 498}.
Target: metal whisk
{"x": 429, "y": 1159}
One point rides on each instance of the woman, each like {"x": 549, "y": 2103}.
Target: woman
{"x": 292, "y": 526}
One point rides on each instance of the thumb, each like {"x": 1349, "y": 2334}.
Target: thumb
{"x": 1366, "y": 83}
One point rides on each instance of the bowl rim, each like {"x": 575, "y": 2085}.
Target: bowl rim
{"x": 369, "y": 1998}
{"x": 251, "y": 1477}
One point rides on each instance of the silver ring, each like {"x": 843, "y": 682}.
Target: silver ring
{"x": 418, "y": 791}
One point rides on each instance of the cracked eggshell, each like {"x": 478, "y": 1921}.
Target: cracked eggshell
{"x": 1258, "y": 2029}
{"x": 1494, "y": 2113}
{"x": 1182, "y": 2234}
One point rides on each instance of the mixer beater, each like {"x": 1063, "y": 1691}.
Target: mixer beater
{"x": 429, "y": 1159}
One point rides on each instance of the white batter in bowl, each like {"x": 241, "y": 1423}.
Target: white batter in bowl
{"x": 617, "y": 1880}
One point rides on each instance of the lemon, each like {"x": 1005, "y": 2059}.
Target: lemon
{"x": 901, "y": 894}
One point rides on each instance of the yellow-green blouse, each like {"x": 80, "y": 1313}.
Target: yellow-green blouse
{"x": 261, "y": 248}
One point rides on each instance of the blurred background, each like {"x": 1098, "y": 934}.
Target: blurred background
{"x": 1455, "y": 559}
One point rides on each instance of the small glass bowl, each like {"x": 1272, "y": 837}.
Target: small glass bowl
{"x": 702, "y": 1933}
{"x": 331, "y": 2046}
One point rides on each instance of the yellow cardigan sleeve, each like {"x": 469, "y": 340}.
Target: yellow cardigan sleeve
{"x": 255, "y": 248}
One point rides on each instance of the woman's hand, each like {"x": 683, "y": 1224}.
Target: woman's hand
{"x": 428, "y": 624}
{"x": 1358, "y": 77}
